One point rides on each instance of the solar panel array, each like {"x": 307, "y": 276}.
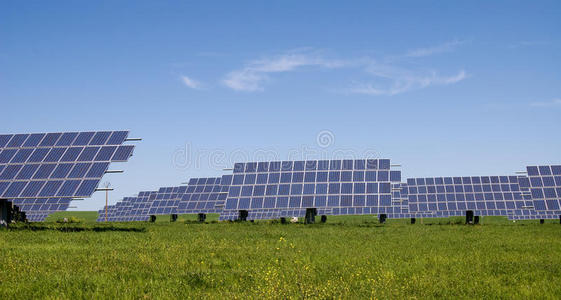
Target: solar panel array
{"x": 270, "y": 190}
{"x": 129, "y": 209}
{"x": 545, "y": 187}
{"x": 38, "y": 209}
{"x": 337, "y": 187}
{"x": 166, "y": 200}
{"x": 203, "y": 195}
{"x": 42, "y": 172}
{"x": 485, "y": 195}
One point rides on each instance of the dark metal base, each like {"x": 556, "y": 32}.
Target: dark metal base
{"x": 5, "y": 212}
{"x": 311, "y": 215}
{"x": 152, "y": 218}
{"x": 469, "y": 217}
{"x": 173, "y": 218}
{"x": 243, "y": 215}
{"x": 382, "y": 218}
{"x": 202, "y": 218}
{"x": 323, "y": 218}
{"x": 10, "y": 213}
{"x": 413, "y": 220}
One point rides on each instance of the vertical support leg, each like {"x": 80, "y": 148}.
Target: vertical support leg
{"x": 243, "y": 215}
{"x": 4, "y": 213}
{"x": 382, "y": 218}
{"x": 469, "y": 217}
{"x": 202, "y": 218}
{"x": 310, "y": 215}
{"x": 323, "y": 218}
{"x": 542, "y": 221}
{"x": 413, "y": 220}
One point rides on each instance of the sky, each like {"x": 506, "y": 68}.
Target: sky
{"x": 442, "y": 88}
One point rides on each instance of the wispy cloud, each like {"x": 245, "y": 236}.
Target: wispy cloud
{"x": 254, "y": 74}
{"x": 553, "y": 103}
{"x": 445, "y": 47}
{"x": 386, "y": 76}
{"x": 404, "y": 82}
{"x": 191, "y": 83}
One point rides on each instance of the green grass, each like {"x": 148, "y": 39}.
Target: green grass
{"x": 348, "y": 257}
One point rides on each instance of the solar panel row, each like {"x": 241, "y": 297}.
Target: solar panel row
{"x": 344, "y": 186}
{"x": 41, "y": 172}
{"x": 270, "y": 190}
{"x": 201, "y": 195}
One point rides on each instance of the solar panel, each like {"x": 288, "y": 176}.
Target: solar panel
{"x": 545, "y": 187}
{"x": 39, "y": 167}
{"x": 334, "y": 187}
{"x": 129, "y": 209}
{"x": 37, "y": 216}
{"x": 203, "y": 195}
{"x": 166, "y": 200}
{"x": 485, "y": 195}
{"x": 533, "y": 215}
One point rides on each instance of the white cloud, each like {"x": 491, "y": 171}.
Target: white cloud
{"x": 191, "y": 83}
{"x": 553, "y": 103}
{"x": 445, "y": 47}
{"x": 386, "y": 78}
{"x": 254, "y": 74}
{"x": 400, "y": 83}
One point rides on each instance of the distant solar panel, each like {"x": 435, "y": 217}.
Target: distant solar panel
{"x": 40, "y": 167}
{"x": 37, "y": 217}
{"x": 485, "y": 195}
{"x": 335, "y": 187}
{"x": 545, "y": 186}
{"x": 129, "y": 209}
{"x": 203, "y": 195}
{"x": 166, "y": 200}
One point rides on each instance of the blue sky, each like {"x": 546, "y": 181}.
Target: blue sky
{"x": 443, "y": 88}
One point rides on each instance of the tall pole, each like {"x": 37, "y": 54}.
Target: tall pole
{"x": 107, "y": 185}
{"x": 106, "y": 203}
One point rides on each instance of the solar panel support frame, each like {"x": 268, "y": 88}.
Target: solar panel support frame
{"x": 201, "y": 217}
{"x": 382, "y": 218}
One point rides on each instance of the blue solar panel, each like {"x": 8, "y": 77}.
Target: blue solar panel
{"x": 129, "y": 209}
{"x": 339, "y": 186}
{"x": 37, "y": 209}
{"x": 485, "y": 195}
{"x": 165, "y": 201}
{"x": 545, "y": 187}
{"x": 57, "y": 165}
{"x": 203, "y": 195}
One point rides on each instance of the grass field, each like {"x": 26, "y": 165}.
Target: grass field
{"x": 348, "y": 257}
